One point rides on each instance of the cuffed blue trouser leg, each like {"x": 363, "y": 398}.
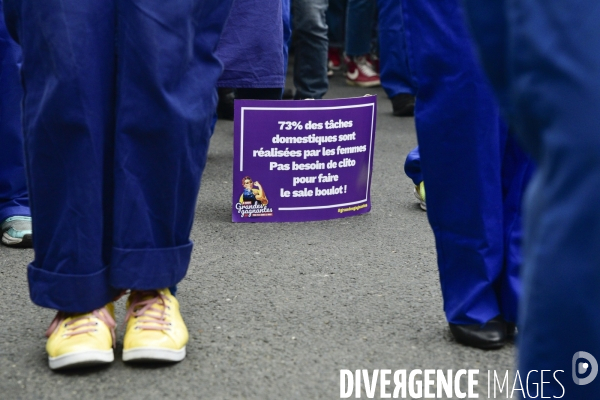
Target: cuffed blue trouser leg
{"x": 14, "y": 199}
{"x": 463, "y": 146}
{"x": 552, "y": 96}
{"x": 310, "y": 60}
{"x": 412, "y": 166}
{"x": 360, "y": 19}
{"x": 116, "y": 140}
{"x": 393, "y": 62}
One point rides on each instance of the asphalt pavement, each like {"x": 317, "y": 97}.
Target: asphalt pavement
{"x": 274, "y": 311}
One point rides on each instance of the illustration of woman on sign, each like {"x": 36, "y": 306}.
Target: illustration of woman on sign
{"x": 254, "y": 196}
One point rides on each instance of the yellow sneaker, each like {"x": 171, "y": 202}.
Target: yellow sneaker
{"x": 420, "y": 195}
{"x": 76, "y": 340}
{"x": 155, "y": 330}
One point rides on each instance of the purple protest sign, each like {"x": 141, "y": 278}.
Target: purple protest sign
{"x": 302, "y": 160}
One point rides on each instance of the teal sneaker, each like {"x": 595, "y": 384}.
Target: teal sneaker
{"x": 16, "y": 232}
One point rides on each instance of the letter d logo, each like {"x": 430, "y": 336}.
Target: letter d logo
{"x": 582, "y": 367}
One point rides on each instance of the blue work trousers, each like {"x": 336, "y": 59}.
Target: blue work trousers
{"x": 13, "y": 186}
{"x": 474, "y": 174}
{"x": 119, "y": 97}
{"x": 393, "y": 61}
{"x": 543, "y": 58}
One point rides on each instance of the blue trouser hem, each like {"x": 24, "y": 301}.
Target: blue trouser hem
{"x": 70, "y": 293}
{"x": 412, "y": 166}
{"x": 14, "y": 211}
{"x": 147, "y": 269}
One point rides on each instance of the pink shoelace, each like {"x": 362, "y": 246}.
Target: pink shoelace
{"x": 150, "y": 317}
{"x": 73, "y": 328}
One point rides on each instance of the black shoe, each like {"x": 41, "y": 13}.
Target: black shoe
{"x": 403, "y": 105}
{"x": 225, "y": 104}
{"x": 489, "y": 336}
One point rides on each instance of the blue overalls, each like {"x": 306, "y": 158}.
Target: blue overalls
{"x": 13, "y": 186}
{"x": 119, "y": 96}
{"x": 543, "y": 58}
{"x": 474, "y": 174}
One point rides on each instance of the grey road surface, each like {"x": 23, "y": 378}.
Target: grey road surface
{"x": 274, "y": 311}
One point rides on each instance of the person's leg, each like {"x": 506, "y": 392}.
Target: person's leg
{"x": 336, "y": 17}
{"x": 412, "y": 166}
{"x": 68, "y": 74}
{"x": 394, "y": 73}
{"x": 552, "y": 96}
{"x": 173, "y": 80}
{"x": 360, "y": 18}
{"x": 310, "y": 58}
{"x": 13, "y": 186}
{"x": 460, "y": 149}
{"x": 517, "y": 169}
{"x": 253, "y": 50}
{"x": 14, "y": 200}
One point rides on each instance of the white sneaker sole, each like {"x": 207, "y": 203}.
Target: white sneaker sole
{"x": 363, "y": 84}
{"x": 81, "y": 359}
{"x": 10, "y": 241}
{"x": 153, "y": 354}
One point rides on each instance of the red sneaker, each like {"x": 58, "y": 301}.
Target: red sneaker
{"x": 361, "y": 73}
{"x": 334, "y": 59}
{"x": 373, "y": 59}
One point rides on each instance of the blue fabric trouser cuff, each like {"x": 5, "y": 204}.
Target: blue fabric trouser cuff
{"x": 70, "y": 293}
{"x": 12, "y": 211}
{"x": 162, "y": 268}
